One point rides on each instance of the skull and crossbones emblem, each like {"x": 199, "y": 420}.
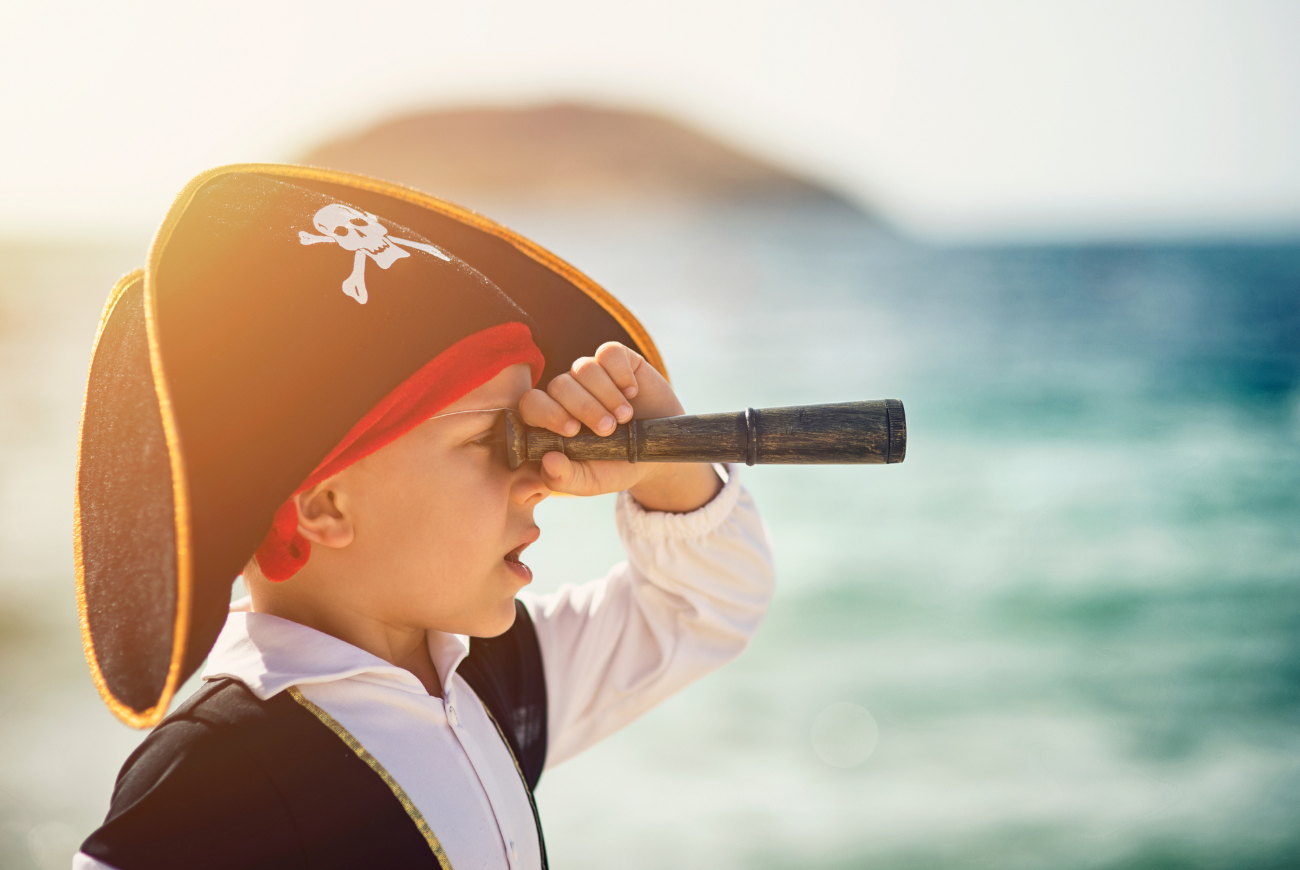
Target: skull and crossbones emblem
{"x": 361, "y": 233}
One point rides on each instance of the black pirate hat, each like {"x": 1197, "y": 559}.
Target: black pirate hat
{"x": 200, "y": 419}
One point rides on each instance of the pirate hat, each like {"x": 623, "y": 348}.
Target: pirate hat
{"x": 279, "y": 306}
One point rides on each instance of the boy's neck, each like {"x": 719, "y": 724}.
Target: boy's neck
{"x": 420, "y": 664}
{"x": 407, "y": 648}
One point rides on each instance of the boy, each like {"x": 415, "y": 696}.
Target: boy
{"x": 329, "y": 403}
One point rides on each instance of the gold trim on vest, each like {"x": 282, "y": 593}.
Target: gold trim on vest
{"x": 373, "y": 763}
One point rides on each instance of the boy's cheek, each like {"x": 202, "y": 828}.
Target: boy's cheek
{"x": 452, "y": 515}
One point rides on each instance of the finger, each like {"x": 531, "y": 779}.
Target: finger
{"x": 588, "y": 372}
{"x": 581, "y": 404}
{"x": 562, "y": 474}
{"x": 557, "y": 471}
{"x": 620, "y": 363}
{"x": 539, "y": 409}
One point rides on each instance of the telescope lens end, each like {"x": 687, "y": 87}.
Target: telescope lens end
{"x": 896, "y": 420}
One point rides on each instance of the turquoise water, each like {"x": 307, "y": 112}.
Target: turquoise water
{"x": 1072, "y": 615}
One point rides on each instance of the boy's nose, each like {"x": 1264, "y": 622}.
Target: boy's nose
{"x": 528, "y": 488}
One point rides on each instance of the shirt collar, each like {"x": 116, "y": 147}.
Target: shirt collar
{"x": 269, "y": 654}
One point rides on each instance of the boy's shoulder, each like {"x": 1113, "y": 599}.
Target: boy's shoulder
{"x": 230, "y": 780}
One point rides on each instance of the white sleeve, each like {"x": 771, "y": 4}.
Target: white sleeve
{"x": 687, "y": 601}
{"x": 82, "y": 861}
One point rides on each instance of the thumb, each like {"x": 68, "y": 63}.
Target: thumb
{"x": 559, "y": 472}
{"x": 562, "y": 474}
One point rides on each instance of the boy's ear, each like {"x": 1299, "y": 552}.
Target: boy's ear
{"x": 322, "y": 518}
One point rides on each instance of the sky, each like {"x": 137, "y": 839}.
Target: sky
{"x": 957, "y": 119}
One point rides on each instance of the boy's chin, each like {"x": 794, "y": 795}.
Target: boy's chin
{"x": 496, "y": 623}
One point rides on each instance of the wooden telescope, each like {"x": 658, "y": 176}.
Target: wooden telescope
{"x": 850, "y": 433}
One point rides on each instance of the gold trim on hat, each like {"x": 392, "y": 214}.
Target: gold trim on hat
{"x": 151, "y": 716}
{"x": 373, "y": 763}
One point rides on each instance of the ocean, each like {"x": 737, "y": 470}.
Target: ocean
{"x": 1065, "y": 633}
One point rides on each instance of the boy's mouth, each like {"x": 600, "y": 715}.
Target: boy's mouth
{"x": 512, "y": 558}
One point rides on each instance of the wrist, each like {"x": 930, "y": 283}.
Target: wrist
{"x": 677, "y": 487}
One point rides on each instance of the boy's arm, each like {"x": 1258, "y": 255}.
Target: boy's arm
{"x": 699, "y": 570}
{"x": 692, "y": 593}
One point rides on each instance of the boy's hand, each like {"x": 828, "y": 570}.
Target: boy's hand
{"x": 601, "y": 391}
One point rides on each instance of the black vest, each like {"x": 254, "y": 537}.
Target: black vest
{"x": 230, "y": 781}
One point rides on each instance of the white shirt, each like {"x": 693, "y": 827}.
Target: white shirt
{"x": 689, "y": 598}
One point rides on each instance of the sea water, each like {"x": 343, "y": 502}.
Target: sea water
{"x": 1065, "y": 633}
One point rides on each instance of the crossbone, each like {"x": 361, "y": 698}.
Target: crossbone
{"x": 361, "y": 232}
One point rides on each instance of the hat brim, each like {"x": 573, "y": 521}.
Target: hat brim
{"x": 148, "y": 617}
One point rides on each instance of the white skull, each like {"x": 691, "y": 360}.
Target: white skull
{"x": 353, "y": 230}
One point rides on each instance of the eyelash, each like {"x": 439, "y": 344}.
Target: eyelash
{"x": 490, "y": 439}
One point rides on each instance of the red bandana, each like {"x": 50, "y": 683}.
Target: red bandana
{"x": 465, "y": 366}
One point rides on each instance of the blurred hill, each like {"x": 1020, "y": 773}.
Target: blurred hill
{"x": 564, "y": 154}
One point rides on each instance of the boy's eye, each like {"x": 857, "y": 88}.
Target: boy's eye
{"x": 493, "y": 439}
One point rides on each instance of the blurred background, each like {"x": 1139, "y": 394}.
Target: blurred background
{"x": 1064, "y": 634}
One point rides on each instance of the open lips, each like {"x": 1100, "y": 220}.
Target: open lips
{"x": 512, "y": 558}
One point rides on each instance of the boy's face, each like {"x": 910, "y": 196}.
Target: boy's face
{"x": 426, "y": 532}
{"x": 438, "y": 522}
